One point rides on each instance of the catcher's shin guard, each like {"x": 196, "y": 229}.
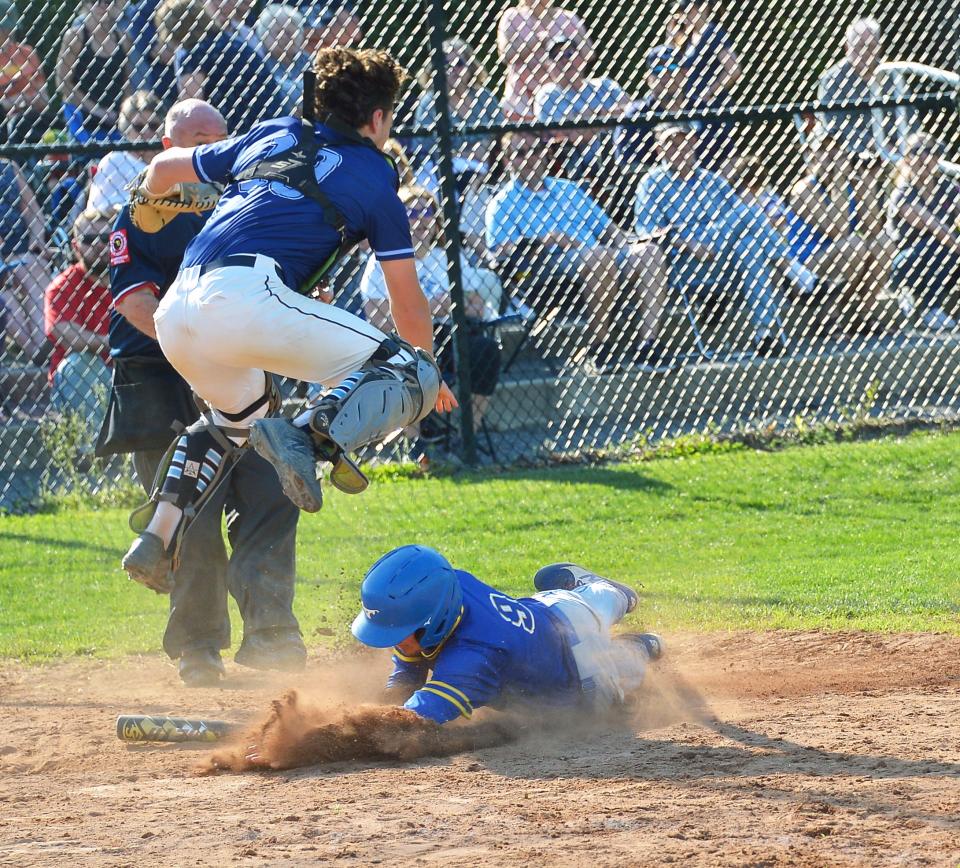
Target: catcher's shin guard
{"x": 397, "y": 387}
{"x": 191, "y": 470}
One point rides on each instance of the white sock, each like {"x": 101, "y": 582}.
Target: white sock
{"x": 165, "y": 520}
{"x": 804, "y": 277}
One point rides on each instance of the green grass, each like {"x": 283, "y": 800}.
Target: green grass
{"x": 852, "y": 535}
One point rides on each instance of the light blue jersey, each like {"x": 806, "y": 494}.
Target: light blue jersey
{"x": 267, "y": 217}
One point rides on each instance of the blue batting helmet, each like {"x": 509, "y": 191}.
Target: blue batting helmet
{"x": 411, "y": 588}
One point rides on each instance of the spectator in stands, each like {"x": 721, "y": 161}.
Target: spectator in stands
{"x": 280, "y": 29}
{"x": 551, "y": 228}
{"x": 217, "y": 66}
{"x": 76, "y": 317}
{"x": 151, "y": 59}
{"x": 665, "y": 80}
{"x": 25, "y": 268}
{"x": 23, "y": 96}
{"x": 924, "y": 220}
{"x": 471, "y": 104}
{"x": 524, "y": 32}
{"x": 329, "y": 23}
{"x": 573, "y": 96}
{"x": 481, "y": 290}
{"x": 711, "y": 70}
{"x": 93, "y": 72}
{"x": 140, "y": 119}
{"x": 712, "y": 234}
{"x": 850, "y": 79}
{"x": 832, "y": 228}
{"x": 232, "y": 17}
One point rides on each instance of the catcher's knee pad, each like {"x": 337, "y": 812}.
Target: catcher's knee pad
{"x": 397, "y": 387}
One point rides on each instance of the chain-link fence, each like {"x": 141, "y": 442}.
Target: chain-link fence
{"x": 629, "y": 222}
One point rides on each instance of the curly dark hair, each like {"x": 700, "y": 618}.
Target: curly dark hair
{"x": 352, "y": 83}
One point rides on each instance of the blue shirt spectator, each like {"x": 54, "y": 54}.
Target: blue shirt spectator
{"x": 151, "y": 60}
{"x": 549, "y": 235}
{"x": 715, "y": 236}
{"x": 518, "y": 212}
{"x": 234, "y": 78}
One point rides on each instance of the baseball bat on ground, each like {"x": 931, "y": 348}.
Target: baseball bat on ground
{"x": 143, "y": 727}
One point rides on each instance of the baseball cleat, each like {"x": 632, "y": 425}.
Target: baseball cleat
{"x": 651, "y": 643}
{"x": 148, "y": 563}
{"x": 567, "y": 577}
{"x": 290, "y": 450}
{"x": 278, "y": 648}
{"x": 201, "y": 667}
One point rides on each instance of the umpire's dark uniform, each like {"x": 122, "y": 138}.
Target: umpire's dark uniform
{"x": 147, "y": 397}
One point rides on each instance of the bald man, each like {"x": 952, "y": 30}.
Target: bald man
{"x": 148, "y": 399}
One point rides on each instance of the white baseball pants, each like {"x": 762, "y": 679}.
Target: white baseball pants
{"x": 222, "y": 329}
{"x": 607, "y": 669}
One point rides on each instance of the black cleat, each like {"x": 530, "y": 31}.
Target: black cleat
{"x": 149, "y": 563}
{"x": 201, "y": 667}
{"x": 567, "y": 577}
{"x": 278, "y": 648}
{"x": 290, "y": 450}
{"x": 651, "y": 643}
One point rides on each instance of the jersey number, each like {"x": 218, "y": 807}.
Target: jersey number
{"x": 327, "y": 161}
{"x": 513, "y": 612}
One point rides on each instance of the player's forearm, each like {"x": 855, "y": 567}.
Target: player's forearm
{"x": 413, "y": 321}
{"x": 169, "y": 168}
{"x": 138, "y": 309}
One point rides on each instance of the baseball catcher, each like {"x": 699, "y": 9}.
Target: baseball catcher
{"x": 459, "y": 643}
{"x": 297, "y": 194}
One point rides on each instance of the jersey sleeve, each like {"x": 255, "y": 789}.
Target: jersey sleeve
{"x": 407, "y": 673}
{"x": 464, "y": 678}
{"x": 388, "y": 229}
{"x": 132, "y": 267}
{"x": 213, "y": 162}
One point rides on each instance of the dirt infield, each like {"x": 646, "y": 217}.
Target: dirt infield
{"x": 750, "y": 749}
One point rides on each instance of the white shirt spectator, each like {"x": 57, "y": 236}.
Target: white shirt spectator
{"x": 432, "y": 272}
{"x": 115, "y": 172}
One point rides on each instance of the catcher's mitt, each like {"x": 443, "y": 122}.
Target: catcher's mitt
{"x": 151, "y": 212}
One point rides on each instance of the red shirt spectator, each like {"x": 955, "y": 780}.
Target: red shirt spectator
{"x": 80, "y": 303}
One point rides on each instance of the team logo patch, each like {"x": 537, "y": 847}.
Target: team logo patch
{"x": 369, "y": 612}
{"x": 513, "y": 612}
{"x": 119, "y": 249}
{"x": 191, "y": 468}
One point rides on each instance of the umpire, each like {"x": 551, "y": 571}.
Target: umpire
{"x": 147, "y": 399}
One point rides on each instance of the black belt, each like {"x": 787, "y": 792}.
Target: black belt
{"x": 234, "y": 260}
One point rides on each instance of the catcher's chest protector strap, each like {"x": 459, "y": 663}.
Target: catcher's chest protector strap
{"x": 295, "y": 169}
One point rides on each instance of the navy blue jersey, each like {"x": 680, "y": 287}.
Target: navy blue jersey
{"x": 141, "y": 260}
{"x": 272, "y": 219}
{"x": 502, "y": 648}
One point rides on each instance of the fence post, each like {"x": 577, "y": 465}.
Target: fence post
{"x": 451, "y": 217}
